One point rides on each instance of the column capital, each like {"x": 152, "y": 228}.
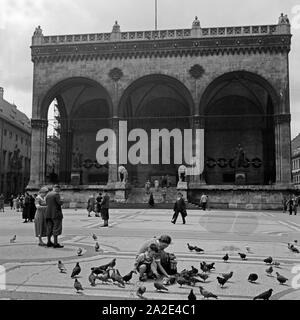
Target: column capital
{"x": 282, "y": 118}
{"x": 39, "y": 123}
{"x": 198, "y": 121}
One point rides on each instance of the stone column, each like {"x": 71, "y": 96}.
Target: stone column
{"x": 38, "y": 153}
{"x": 113, "y": 168}
{"x": 283, "y": 149}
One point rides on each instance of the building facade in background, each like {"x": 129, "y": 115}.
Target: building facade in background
{"x": 15, "y": 148}
{"x": 232, "y": 82}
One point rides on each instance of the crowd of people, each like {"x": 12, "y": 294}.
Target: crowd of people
{"x": 291, "y": 204}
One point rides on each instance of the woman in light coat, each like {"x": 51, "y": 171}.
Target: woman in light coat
{"x": 40, "y": 225}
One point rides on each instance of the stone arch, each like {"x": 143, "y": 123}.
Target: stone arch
{"x": 238, "y": 108}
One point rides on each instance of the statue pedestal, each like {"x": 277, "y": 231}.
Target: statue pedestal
{"x": 240, "y": 177}
{"x": 75, "y": 178}
{"x": 182, "y": 186}
{"x": 121, "y": 191}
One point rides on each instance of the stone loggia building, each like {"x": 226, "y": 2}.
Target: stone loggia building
{"x": 233, "y": 82}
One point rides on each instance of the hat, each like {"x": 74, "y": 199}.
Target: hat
{"x": 44, "y": 190}
{"x": 165, "y": 239}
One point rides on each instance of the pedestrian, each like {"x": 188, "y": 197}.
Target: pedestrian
{"x": 40, "y": 224}
{"x": 164, "y": 194}
{"x": 147, "y": 186}
{"x": 54, "y": 217}
{"x": 32, "y": 207}
{"x": 98, "y": 205}
{"x": 284, "y": 205}
{"x": 105, "y": 209}
{"x": 290, "y": 205}
{"x": 167, "y": 264}
{"x": 203, "y": 201}
{"x": 156, "y": 184}
{"x": 15, "y": 199}
{"x": 295, "y": 205}
{"x": 2, "y": 202}
{"x": 26, "y": 208}
{"x": 179, "y": 207}
{"x": 18, "y": 203}
{"x": 151, "y": 200}
{"x": 91, "y": 205}
{"x": 11, "y": 202}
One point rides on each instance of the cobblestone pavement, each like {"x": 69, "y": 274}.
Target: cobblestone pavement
{"x": 32, "y": 273}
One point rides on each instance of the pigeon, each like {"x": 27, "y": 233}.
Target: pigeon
{"x": 197, "y": 249}
{"x": 181, "y": 281}
{"x": 227, "y": 275}
{"x": 276, "y": 264}
{"x": 97, "y": 247}
{"x": 160, "y": 287}
{"x": 296, "y": 241}
{"x": 194, "y": 280}
{"x": 118, "y": 278}
{"x": 79, "y": 252}
{"x": 252, "y": 277}
{"x": 207, "y": 294}
{"x": 242, "y": 255}
{"x": 204, "y": 267}
{"x": 140, "y": 291}
{"x": 211, "y": 266}
{"x": 61, "y": 267}
{"x": 92, "y": 279}
{"x": 104, "y": 267}
{"x": 264, "y": 296}
{"x": 294, "y": 249}
{"x": 192, "y": 296}
{"x": 269, "y": 270}
{"x": 268, "y": 260}
{"x": 104, "y": 277}
{"x": 194, "y": 270}
{"x": 281, "y": 279}
{"x": 222, "y": 281}
{"x": 203, "y": 276}
{"x": 191, "y": 248}
{"x": 169, "y": 281}
{"x": 94, "y": 237}
{"x": 112, "y": 263}
{"x": 97, "y": 270}
{"x": 76, "y": 270}
{"x": 226, "y": 257}
{"x": 128, "y": 276}
{"x": 78, "y": 286}
{"x": 13, "y": 239}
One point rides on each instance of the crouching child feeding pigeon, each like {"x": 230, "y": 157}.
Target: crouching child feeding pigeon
{"x": 147, "y": 264}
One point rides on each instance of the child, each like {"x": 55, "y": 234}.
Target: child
{"x": 146, "y": 263}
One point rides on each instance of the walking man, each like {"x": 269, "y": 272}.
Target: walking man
{"x": 179, "y": 206}
{"x": 54, "y": 217}
{"x": 105, "y": 209}
{"x": 203, "y": 201}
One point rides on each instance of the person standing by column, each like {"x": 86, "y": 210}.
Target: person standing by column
{"x": 105, "y": 209}
{"x": 54, "y": 217}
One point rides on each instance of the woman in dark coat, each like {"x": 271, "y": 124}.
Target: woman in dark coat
{"x": 26, "y": 208}
{"x": 32, "y": 208}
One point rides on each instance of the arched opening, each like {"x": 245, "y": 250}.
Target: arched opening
{"x": 156, "y": 102}
{"x": 239, "y": 109}
{"x": 82, "y": 107}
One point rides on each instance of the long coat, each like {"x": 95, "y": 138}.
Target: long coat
{"x": 53, "y": 206}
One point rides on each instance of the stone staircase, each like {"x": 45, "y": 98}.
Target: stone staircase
{"x": 139, "y": 195}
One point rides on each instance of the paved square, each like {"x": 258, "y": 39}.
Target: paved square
{"x": 32, "y": 273}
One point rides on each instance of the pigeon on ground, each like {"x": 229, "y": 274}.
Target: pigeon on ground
{"x": 181, "y": 281}
{"x": 204, "y": 267}
{"x": 194, "y": 280}
{"x": 192, "y": 296}
{"x": 268, "y": 260}
{"x": 140, "y": 291}
{"x": 191, "y": 248}
{"x": 203, "y": 276}
{"x": 79, "y": 252}
{"x": 92, "y": 279}
{"x": 118, "y": 278}
{"x": 194, "y": 270}
{"x": 78, "y": 286}
{"x": 276, "y": 263}
{"x": 269, "y": 270}
{"x": 227, "y": 275}
{"x": 160, "y": 287}
{"x": 211, "y": 266}
{"x": 128, "y": 276}
{"x": 94, "y": 237}
{"x": 226, "y": 257}
{"x": 169, "y": 281}
{"x": 104, "y": 277}
{"x": 252, "y": 277}
{"x": 222, "y": 281}
{"x": 264, "y": 296}
{"x": 13, "y": 239}
{"x": 97, "y": 270}
{"x": 281, "y": 279}
{"x": 61, "y": 267}
{"x": 76, "y": 270}
{"x": 207, "y": 294}
{"x": 242, "y": 255}
{"x": 294, "y": 249}
{"x": 197, "y": 249}
{"x": 97, "y": 247}
{"x": 104, "y": 267}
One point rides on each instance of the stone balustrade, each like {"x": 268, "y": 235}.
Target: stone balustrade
{"x": 167, "y": 34}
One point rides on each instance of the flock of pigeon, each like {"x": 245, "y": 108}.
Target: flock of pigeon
{"x": 108, "y": 273}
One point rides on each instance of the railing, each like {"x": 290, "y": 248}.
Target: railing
{"x": 167, "y": 34}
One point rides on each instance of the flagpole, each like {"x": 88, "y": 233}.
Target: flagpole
{"x": 155, "y": 14}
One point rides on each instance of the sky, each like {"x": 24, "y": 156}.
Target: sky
{"x": 19, "y": 18}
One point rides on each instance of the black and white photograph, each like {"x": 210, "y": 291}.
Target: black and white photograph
{"x": 149, "y": 152}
